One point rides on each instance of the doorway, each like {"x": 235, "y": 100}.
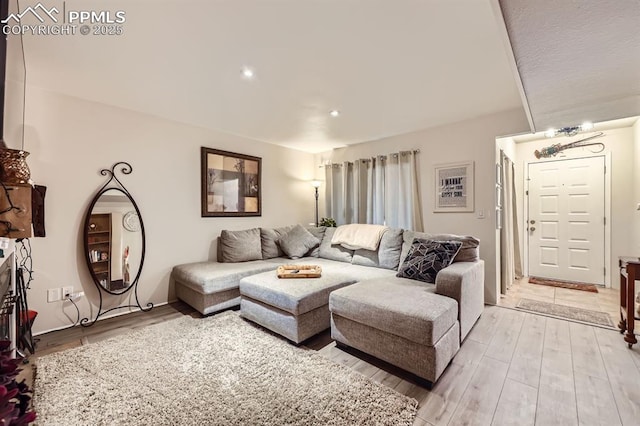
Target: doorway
{"x": 566, "y": 220}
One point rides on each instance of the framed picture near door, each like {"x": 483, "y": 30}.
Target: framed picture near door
{"x": 230, "y": 183}
{"x": 454, "y": 187}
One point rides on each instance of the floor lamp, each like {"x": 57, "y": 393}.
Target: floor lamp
{"x": 316, "y": 184}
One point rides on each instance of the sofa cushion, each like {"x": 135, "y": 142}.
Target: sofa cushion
{"x": 361, "y": 273}
{"x": 297, "y": 242}
{"x": 212, "y": 277}
{"x": 318, "y": 232}
{"x": 388, "y": 254}
{"x": 333, "y": 252}
{"x": 405, "y": 308}
{"x": 356, "y": 236}
{"x": 426, "y": 258}
{"x": 268, "y": 238}
{"x": 469, "y": 251}
{"x": 241, "y": 246}
{"x": 294, "y": 295}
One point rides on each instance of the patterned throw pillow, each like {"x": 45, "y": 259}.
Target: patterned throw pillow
{"x": 426, "y": 258}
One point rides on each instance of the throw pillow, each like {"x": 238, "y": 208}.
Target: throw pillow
{"x": 426, "y": 258}
{"x": 241, "y": 246}
{"x": 469, "y": 252}
{"x": 269, "y": 237}
{"x": 317, "y": 232}
{"x": 297, "y": 242}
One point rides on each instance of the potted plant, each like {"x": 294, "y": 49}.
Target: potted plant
{"x": 328, "y": 222}
{"x": 15, "y": 398}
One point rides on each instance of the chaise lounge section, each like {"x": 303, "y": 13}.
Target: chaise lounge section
{"x": 211, "y": 287}
{"x": 416, "y": 326}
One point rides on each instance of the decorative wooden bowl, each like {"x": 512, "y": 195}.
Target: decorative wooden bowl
{"x": 299, "y": 271}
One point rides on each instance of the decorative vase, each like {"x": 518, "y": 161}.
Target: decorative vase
{"x": 13, "y": 166}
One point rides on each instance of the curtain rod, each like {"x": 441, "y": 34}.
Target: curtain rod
{"x": 366, "y": 160}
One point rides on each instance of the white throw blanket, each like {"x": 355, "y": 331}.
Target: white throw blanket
{"x": 358, "y": 236}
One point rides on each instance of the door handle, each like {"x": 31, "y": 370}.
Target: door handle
{"x": 533, "y": 228}
{"x": 532, "y": 222}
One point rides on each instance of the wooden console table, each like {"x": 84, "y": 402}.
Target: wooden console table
{"x": 629, "y": 273}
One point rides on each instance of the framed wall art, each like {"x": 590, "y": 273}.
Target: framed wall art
{"x": 454, "y": 187}
{"x": 231, "y": 184}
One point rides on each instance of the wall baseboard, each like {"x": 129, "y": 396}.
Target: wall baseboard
{"x": 117, "y": 314}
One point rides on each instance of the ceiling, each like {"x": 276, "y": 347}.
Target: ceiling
{"x": 389, "y": 67}
{"x": 577, "y": 60}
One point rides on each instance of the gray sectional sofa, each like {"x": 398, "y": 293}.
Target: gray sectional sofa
{"x": 412, "y": 324}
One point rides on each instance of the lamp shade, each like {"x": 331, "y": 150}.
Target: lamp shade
{"x": 316, "y": 183}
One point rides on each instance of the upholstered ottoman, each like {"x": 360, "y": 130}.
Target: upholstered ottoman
{"x": 296, "y": 308}
{"x": 401, "y": 321}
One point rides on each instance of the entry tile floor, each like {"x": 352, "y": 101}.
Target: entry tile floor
{"x": 606, "y": 300}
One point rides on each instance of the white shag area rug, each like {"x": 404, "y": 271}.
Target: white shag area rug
{"x": 218, "y": 370}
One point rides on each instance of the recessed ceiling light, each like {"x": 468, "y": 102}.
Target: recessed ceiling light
{"x": 587, "y": 125}
{"x": 247, "y": 73}
{"x": 334, "y": 113}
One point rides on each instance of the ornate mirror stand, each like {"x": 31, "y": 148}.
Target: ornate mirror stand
{"x": 114, "y": 241}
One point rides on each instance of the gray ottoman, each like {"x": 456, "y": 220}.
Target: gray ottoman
{"x": 401, "y": 321}
{"x": 296, "y": 308}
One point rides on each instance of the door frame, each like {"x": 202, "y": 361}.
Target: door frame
{"x": 607, "y": 210}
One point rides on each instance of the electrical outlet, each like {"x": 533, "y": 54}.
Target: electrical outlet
{"x": 66, "y": 292}
{"x": 76, "y": 296}
{"x": 53, "y": 295}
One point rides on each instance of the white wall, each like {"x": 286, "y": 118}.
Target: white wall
{"x": 508, "y": 146}
{"x": 619, "y": 145}
{"x": 70, "y": 140}
{"x": 467, "y": 140}
{"x": 14, "y": 87}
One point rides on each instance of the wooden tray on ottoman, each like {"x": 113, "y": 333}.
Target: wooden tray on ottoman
{"x": 299, "y": 271}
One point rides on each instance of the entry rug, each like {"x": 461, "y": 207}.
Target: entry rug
{"x": 218, "y": 370}
{"x": 563, "y": 284}
{"x": 569, "y": 312}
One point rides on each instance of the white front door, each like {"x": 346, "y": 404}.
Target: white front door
{"x": 566, "y": 221}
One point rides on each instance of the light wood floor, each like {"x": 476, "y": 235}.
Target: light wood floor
{"x": 607, "y": 300}
{"x": 513, "y": 368}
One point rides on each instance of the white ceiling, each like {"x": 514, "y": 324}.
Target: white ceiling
{"x": 578, "y": 60}
{"x": 390, "y": 67}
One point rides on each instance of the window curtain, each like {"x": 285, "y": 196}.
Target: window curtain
{"x": 382, "y": 190}
{"x": 356, "y": 201}
{"x": 376, "y": 193}
{"x": 511, "y": 260}
{"x": 402, "y": 207}
{"x": 333, "y": 192}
